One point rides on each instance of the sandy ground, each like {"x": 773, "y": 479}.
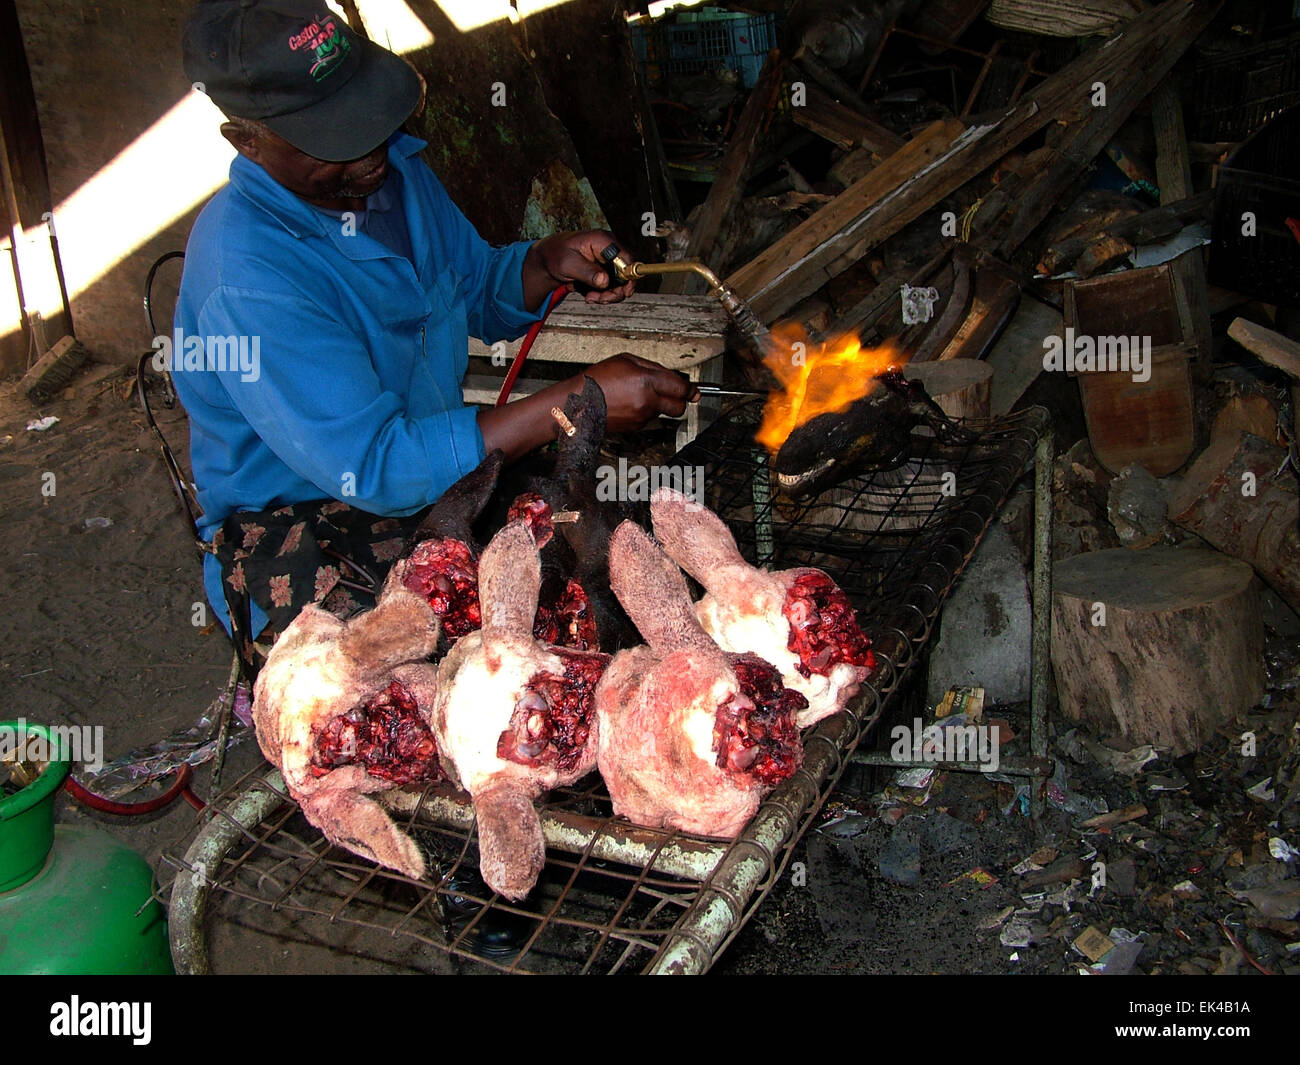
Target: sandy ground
{"x": 98, "y": 629}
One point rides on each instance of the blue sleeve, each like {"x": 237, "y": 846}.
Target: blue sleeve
{"x": 491, "y": 278}
{"x": 317, "y": 403}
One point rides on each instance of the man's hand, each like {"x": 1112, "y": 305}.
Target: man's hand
{"x": 637, "y": 391}
{"x": 567, "y": 257}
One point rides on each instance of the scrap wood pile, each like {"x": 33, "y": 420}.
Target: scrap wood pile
{"x": 1034, "y": 184}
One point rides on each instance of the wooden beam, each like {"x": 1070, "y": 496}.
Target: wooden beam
{"x": 843, "y": 126}
{"x": 945, "y": 156}
{"x": 676, "y": 331}
{"x": 860, "y": 217}
{"x": 728, "y": 187}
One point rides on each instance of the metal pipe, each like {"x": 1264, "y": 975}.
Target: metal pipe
{"x": 1041, "y": 659}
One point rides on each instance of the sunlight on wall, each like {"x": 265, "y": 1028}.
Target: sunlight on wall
{"x": 469, "y": 15}
{"x": 177, "y": 162}
{"x": 182, "y": 159}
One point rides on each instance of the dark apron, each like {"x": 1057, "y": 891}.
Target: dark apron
{"x": 323, "y": 552}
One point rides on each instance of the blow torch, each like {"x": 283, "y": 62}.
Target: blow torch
{"x": 746, "y": 321}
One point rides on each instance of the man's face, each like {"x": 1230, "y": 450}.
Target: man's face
{"x": 336, "y": 186}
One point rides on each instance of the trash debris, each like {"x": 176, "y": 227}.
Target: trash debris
{"x": 1107, "y": 821}
{"x": 918, "y": 304}
{"x": 1042, "y": 857}
{"x": 1093, "y": 943}
{"x": 1263, "y": 791}
{"x": 996, "y": 920}
{"x": 39, "y": 425}
{"x": 981, "y": 877}
{"x": 193, "y": 745}
{"x": 962, "y": 700}
{"x": 1277, "y": 900}
{"x": 1282, "y": 850}
{"x": 1017, "y": 933}
{"x": 98, "y": 522}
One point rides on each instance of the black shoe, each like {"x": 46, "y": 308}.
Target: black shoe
{"x": 496, "y": 935}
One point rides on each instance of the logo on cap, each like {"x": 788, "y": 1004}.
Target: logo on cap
{"x": 328, "y": 45}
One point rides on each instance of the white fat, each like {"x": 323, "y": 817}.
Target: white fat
{"x": 767, "y": 635}
{"x": 477, "y": 708}
{"x": 699, "y": 720}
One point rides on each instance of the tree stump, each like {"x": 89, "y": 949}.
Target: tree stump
{"x": 1231, "y": 498}
{"x": 961, "y": 387}
{"x": 1160, "y": 646}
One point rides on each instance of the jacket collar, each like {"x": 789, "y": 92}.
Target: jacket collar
{"x": 297, "y": 216}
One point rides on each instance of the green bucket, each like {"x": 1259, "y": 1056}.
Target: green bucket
{"x": 27, "y": 816}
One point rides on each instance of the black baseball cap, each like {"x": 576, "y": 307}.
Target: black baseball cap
{"x": 299, "y": 69}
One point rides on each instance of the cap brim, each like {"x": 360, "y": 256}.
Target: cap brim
{"x": 358, "y": 118}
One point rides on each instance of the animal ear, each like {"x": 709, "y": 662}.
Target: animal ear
{"x": 511, "y": 849}
{"x": 576, "y": 456}
{"x": 694, "y": 537}
{"x": 460, "y": 504}
{"x": 363, "y": 827}
{"x": 401, "y": 628}
{"x": 653, "y": 592}
{"x": 509, "y": 579}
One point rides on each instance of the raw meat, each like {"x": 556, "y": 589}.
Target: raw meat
{"x": 797, "y": 619}
{"x": 689, "y": 737}
{"x": 341, "y": 707}
{"x": 514, "y": 717}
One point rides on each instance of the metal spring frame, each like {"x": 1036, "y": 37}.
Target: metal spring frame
{"x": 1037, "y": 767}
{"x": 724, "y": 881}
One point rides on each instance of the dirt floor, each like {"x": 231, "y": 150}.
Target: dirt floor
{"x": 101, "y": 628}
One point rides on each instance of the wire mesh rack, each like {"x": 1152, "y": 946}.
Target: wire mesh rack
{"x": 615, "y": 897}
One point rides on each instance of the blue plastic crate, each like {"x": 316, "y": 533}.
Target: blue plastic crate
{"x": 706, "y": 41}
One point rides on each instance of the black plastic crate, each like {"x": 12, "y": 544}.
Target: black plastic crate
{"x": 1235, "y": 93}
{"x": 1256, "y": 179}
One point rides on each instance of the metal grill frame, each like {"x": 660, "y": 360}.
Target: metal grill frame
{"x": 709, "y": 888}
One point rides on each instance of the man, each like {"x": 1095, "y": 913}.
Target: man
{"x": 339, "y": 269}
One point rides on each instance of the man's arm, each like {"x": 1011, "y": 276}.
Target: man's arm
{"x": 315, "y": 400}
{"x": 636, "y": 391}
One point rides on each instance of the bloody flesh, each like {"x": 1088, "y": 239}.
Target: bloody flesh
{"x": 386, "y": 735}
{"x": 567, "y": 621}
{"x": 554, "y": 716}
{"x": 823, "y": 628}
{"x": 535, "y": 512}
{"x": 445, "y": 572}
{"x": 754, "y": 731}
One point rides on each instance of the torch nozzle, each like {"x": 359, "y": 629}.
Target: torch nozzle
{"x": 742, "y": 315}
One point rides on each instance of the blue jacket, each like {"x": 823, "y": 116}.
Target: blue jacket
{"x": 350, "y": 382}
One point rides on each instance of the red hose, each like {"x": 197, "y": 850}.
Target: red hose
{"x": 180, "y": 788}
{"x": 512, "y": 374}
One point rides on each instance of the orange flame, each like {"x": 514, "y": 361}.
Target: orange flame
{"x": 817, "y": 378}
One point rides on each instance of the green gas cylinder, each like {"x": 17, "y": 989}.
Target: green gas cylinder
{"x": 72, "y": 899}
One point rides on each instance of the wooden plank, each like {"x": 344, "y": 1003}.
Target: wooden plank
{"x": 801, "y": 261}
{"x": 1273, "y": 348}
{"x": 1148, "y": 59}
{"x": 676, "y": 331}
{"x": 843, "y": 126}
{"x": 1173, "y": 166}
{"x": 728, "y": 187}
{"x": 915, "y": 178}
